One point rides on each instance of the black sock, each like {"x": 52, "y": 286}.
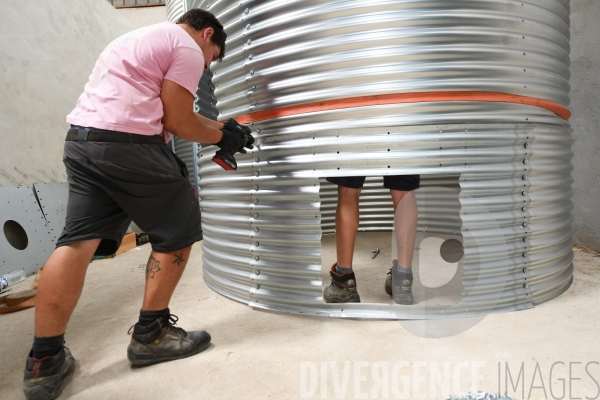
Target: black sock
{"x": 341, "y": 270}
{"x": 47, "y": 346}
{"x": 148, "y": 317}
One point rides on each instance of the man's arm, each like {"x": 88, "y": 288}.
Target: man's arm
{"x": 209, "y": 122}
{"x": 180, "y": 119}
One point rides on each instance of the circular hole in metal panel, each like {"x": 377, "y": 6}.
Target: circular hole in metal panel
{"x": 433, "y": 271}
{"x": 15, "y": 235}
{"x": 452, "y": 251}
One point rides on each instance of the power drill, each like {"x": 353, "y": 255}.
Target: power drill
{"x": 225, "y": 159}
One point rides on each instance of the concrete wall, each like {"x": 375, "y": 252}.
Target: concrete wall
{"x": 585, "y": 105}
{"x": 144, "y": 16}
{"x": 47, "y": 51}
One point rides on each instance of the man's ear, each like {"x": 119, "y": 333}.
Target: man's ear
{"x": 207, "y": 34}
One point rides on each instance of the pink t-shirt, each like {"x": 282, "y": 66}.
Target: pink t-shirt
{"x": 123, "y": 93}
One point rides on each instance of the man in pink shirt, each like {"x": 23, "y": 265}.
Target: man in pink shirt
{"x": 140, "y": 92}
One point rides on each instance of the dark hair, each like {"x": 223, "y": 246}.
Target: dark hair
{"x": 200, "y": 19}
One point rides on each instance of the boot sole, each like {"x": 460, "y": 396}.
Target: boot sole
{"x": 140, "y": 361}
{"x": 49, "y": 391}
{"x": 351, "y": 299}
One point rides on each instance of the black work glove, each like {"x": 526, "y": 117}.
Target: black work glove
{"x": 231, "y": 141}
{"x": 242, "y": 130}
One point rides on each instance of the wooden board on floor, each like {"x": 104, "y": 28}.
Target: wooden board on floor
{"x": 128, "y": 243}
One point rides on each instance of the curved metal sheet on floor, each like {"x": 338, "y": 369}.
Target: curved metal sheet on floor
{"x": 25, "y": 242}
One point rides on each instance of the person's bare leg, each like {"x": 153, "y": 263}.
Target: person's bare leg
{"x": 154, "y": 338}
{"x": 60, "y": 286}
{"x": 163, "y": 272}
{"x": 405, "y": 207}
{"x": 346, "y": 224}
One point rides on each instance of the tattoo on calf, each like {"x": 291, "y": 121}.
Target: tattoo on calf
{"x": 178, "y": 259}
{"x": 152, "y": 267}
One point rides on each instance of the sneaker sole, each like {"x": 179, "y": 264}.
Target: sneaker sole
{"x": 404, "y": 299}
{"x": 404, "y": 296}
{"x": 140, "y": 361}
{"x": 49, "y": 391}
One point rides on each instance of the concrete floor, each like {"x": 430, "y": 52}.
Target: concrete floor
{"x": 266, "y": 355}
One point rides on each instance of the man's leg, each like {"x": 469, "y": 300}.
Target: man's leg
{"x": 399, "y": 284}
{"x": 343, "y": 281}
{"x": 346, "y": 225}
{"x": 405, "y": 207}
{"x": 155, "y": 338}
{"x": 163, "y": 272}
{"x": 60, "y": 286}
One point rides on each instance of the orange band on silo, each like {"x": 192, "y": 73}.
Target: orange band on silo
{"x": 420, "y": 97}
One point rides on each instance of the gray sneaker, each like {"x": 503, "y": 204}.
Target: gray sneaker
{"x": 342, "y": 288}
{"x": 400, "y": 284}
{"x": 163, "y": 341}
{"x": 43, "y": 378}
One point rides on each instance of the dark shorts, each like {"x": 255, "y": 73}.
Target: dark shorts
{"x": 111, "y": 184}
{"x": 404, "y": 183}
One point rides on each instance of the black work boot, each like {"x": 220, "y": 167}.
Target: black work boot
{"x": 43, "y": 377}
{"x": 399, "y": 285}
{"x": 342, "y": 288}
{"x": 163, "y": 341}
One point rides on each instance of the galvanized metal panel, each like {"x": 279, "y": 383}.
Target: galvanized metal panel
{"x": 205, "y": 101}
{"x": 23, "y": 221}
{"x": 496, "y": 175}
{"x": 175, "y": 9}
{"x": 288, "y": 52}
{"x": 52, "y": 198}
